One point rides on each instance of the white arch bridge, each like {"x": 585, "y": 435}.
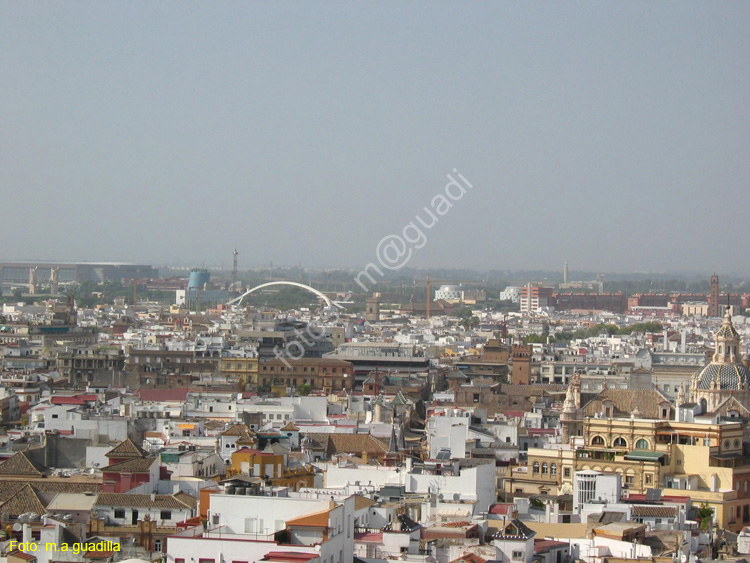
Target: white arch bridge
{"x": 330, "y": 304}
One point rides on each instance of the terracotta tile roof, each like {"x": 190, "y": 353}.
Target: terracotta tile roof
{"x": 315, "y": 520}
{"x": 290, "y": 427}
{"x": 625, "y": 402}
{"x": 128, "y": 448}
{"x": 163, "y": 395}
{"x": 355, "y": 444}
{"x": 246, "y": 438}
{"x": 235, "y": 430}
{"x": 20, "y": 465}
{"x": 289, "y": 556}
{"x": 186, "y": 499}
{"x": 361, "y": 502}
{"x": 22, "y": 555}
{"x": 144, "y": 501}
{"x": 25, "y": 500}
{"x": 655, "y": 511}
{"x": 135, "y": 465}
{"x": 67, "y": 400}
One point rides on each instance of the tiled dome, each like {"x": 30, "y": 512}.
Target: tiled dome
{"x": 734, "y": 377}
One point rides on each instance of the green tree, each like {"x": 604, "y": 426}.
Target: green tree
{"x": 704, "y": 515}
{"x": 304, "y": 389}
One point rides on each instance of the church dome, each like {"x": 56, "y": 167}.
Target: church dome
{"x": 734, "y": 377}
{"x": 726, "y": 371}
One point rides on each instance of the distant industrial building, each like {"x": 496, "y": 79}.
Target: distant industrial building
{"x": 22, "y": 273}
{"x": 613, "y": 302}
{"x": 458, "y": 294}
{"x": 511, "y": 293}
{"x": 200, "y": 293}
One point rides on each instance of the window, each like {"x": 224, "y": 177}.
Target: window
{"x": 545, "y": 468}
{"x": 553, "y": 469}
{"x": 201, "y": 560}
{"x": 566, "y": 472}
{"x": 726, "y": 443}
{"x": 620, "y": 443}
{"x": 119, "y": 513}
{"x": 518, "y": 555}
{"x": 629, "y": 479}
{"x": 179, "y": 560}
{"x": 648, "y": 479}
{"x": 597, "y": 441}
{"x": 157, "y": 545}
{"x": 55, "y": 416}
{"x": 166, "y": 515}
{"x": 641, "y": 444}
{"x": 536, "y": 467}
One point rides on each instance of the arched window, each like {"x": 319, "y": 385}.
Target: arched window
{"x": 641, "y": 444}
{"x": 553, "y": 470}
{"x": 620, "y": 443}
{"x": 545, "y": 468}
{"x": 597, "y": 441}
{"x": 536, "y": 467}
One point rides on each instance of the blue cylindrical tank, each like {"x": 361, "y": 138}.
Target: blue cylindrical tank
{"x": 198, "y": 278}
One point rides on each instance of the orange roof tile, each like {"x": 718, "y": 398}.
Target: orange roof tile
{"x": 315, "y": 520}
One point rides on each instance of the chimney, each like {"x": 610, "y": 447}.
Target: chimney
{"x": 26, "y": 534}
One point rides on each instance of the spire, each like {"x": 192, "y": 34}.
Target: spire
{"x": 728, "y": 344}
{"x": 569, "y": 406}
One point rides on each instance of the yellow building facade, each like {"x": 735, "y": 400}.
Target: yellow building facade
{"x": 244, "y": 370}
{"x": 702, "y": 460}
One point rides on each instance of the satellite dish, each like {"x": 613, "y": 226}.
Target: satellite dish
{"x": 456, "y": 496}
{"x": 17, "y": 527}
{"x": 441, "y": 496}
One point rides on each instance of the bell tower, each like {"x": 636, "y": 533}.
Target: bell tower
{"x": 713, "y": 297}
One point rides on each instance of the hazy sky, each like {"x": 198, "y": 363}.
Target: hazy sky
{"x": 615, "y": 135}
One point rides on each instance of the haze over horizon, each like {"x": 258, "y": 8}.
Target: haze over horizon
{"x": 614, "y": 136}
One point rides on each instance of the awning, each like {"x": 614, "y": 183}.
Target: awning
{"x": 186, "y": 426}
{"x": 644, "y": 455}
